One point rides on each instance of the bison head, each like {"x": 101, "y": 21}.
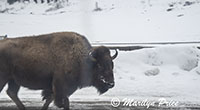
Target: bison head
{"x": 103, "y": 78}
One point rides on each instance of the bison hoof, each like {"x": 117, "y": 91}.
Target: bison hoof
{"x": 59, "y": 105}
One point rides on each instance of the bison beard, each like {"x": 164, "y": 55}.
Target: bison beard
{"x": 57, "y": 63}
{"x": 101, "y": 88}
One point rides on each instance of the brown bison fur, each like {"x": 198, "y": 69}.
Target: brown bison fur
{"x": 57, "y": 63}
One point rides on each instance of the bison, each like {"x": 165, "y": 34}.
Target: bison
{"x": 57, "y": 63}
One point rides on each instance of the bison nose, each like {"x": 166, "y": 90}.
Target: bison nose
{"x": 111, "y": 85}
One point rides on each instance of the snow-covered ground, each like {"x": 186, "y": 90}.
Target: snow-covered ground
{"x": 119, "y": 20}
{"x": 169, "y": 71}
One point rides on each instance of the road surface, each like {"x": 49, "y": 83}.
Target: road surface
{"x": 7, "y": 104}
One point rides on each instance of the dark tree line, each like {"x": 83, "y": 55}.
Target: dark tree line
{"x": 36, "y": 1}
{"x": 12, "y": 1}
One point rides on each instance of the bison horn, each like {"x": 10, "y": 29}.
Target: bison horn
{"x": 114, "y": 56}
{"x": 91, "y": 57}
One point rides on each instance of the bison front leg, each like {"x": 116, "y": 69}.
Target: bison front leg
{"x": 60, "y": 98}
{"x": 66, "y": 104}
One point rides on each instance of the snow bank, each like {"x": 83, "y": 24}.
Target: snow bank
{"x": 153, "y": 74}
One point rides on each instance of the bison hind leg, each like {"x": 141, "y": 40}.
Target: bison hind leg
{"x": 48, "y": 97}
{"x": 12, "y": 92}
{"x": 2, "y": 83}
{"x": 46, "y": 94}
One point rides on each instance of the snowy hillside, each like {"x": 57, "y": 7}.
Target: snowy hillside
{"x": 169, "y": 71}
{"x": 119, "y": 20}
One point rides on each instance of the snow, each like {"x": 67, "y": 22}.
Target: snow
{"x": 166, "y": 71}
{"x": 130, "y": 21}
{"x": 170, "y": 81}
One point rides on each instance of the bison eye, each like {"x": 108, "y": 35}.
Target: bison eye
{"x": 101, "y": 77}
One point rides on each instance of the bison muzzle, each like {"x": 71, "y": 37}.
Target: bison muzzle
{"x": 56, "y": 63}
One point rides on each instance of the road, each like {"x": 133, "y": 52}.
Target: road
{"x": 82, "y": 105}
